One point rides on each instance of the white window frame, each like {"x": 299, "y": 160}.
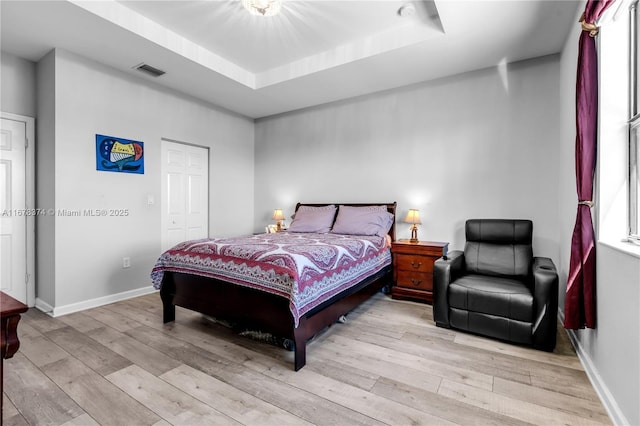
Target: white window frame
{"x": 634, "y": 122}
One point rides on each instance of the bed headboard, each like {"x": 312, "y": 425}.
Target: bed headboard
{"x": 391, "y": 208}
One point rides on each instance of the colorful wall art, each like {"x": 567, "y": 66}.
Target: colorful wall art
{"x": 119, "y": 155}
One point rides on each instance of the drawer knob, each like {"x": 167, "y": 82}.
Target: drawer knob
{"x": 416, "y": 266}
{"x": 415, "y": 282}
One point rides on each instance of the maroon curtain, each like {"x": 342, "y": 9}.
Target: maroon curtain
{"x": 580, "y": 302}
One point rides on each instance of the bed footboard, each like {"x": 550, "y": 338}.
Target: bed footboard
{"x": 261, "y": 311}
{"x": 300, "y": 350}
{"x": 167, "y": 291}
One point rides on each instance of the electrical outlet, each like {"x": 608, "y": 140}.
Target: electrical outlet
{"x": 126, "y": 262}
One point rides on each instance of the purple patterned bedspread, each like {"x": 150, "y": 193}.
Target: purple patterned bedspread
{"x": 308, "y": 269}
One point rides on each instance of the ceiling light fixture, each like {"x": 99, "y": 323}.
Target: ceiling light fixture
{"x": 407, "y": 10}
{"x": 263, "y": 7}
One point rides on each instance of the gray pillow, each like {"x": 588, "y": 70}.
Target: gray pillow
{"x": 313, "y": 219}
{"x": 363, "y": 220}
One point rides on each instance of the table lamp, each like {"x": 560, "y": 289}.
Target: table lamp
{"x": 413, "y": 217}
{"x": 279, "y": 217}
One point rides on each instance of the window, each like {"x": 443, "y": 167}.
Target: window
{"x": 634, "y": 123}
{"x": 635, "y": 54}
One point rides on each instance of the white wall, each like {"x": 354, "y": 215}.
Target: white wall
{"x": 46, "y": 180}
{"x": 18, "y": 83}
{"x": 93, "y": 99}
{"x": 481, "y": 144}
{"x": 18, "y": 96}
{"x": 611, "y": 352}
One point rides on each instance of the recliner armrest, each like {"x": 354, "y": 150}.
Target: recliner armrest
{"x": 445, "y": 270}
{"x": 545, "y": 293}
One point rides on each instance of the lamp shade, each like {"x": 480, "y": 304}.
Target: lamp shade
{"x": 277, "y": 215}
{"x": 413, "y": 216}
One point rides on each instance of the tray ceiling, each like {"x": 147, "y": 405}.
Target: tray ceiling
{"x": 313, "y": 52}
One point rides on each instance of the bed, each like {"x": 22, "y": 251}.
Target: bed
{"x": 251, "y": 281}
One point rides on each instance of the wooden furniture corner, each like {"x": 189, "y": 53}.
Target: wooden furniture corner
{"x": 10, "y": 310}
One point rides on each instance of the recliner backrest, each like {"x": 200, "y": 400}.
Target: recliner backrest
{"x": 499, "y": 247}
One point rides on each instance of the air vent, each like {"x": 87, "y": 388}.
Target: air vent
{"x": 148, "y": 69}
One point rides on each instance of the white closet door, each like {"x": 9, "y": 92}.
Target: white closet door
{"x": 185, "y": 193}
{"x": 13, "y": 209}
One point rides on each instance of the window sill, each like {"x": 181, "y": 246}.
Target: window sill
{"x": 625, "y": 247}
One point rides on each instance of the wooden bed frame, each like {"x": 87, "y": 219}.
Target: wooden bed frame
{"x": 266, "y": 312}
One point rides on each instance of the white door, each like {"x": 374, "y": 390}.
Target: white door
{"x": 185, "y": 193}
{"x": 17, "y": 213}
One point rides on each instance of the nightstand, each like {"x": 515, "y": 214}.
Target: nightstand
{"x": 413, "y": 268}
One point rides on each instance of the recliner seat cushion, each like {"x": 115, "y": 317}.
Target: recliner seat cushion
{"x": 504, "y": 297}
{"x": 491, "y": 325}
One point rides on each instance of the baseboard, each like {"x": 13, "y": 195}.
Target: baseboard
{"x": 606, "y": 397}
{"x": 91, "y": 303}
{"x": 43, "y": 306}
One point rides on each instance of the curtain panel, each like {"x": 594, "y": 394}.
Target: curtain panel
{"x": 580, "y": 301}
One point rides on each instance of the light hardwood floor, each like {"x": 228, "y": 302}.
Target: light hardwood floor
{"x": 389, "y": 364}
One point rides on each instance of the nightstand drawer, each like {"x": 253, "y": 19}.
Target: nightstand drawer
{"x": 415, "y": 280}
{"x": 415, "y": 263}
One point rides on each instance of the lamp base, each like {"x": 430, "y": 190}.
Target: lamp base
{"x": 414, "y": 234}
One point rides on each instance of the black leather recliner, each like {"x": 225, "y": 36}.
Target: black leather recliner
{"x": 496, "y": 287}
